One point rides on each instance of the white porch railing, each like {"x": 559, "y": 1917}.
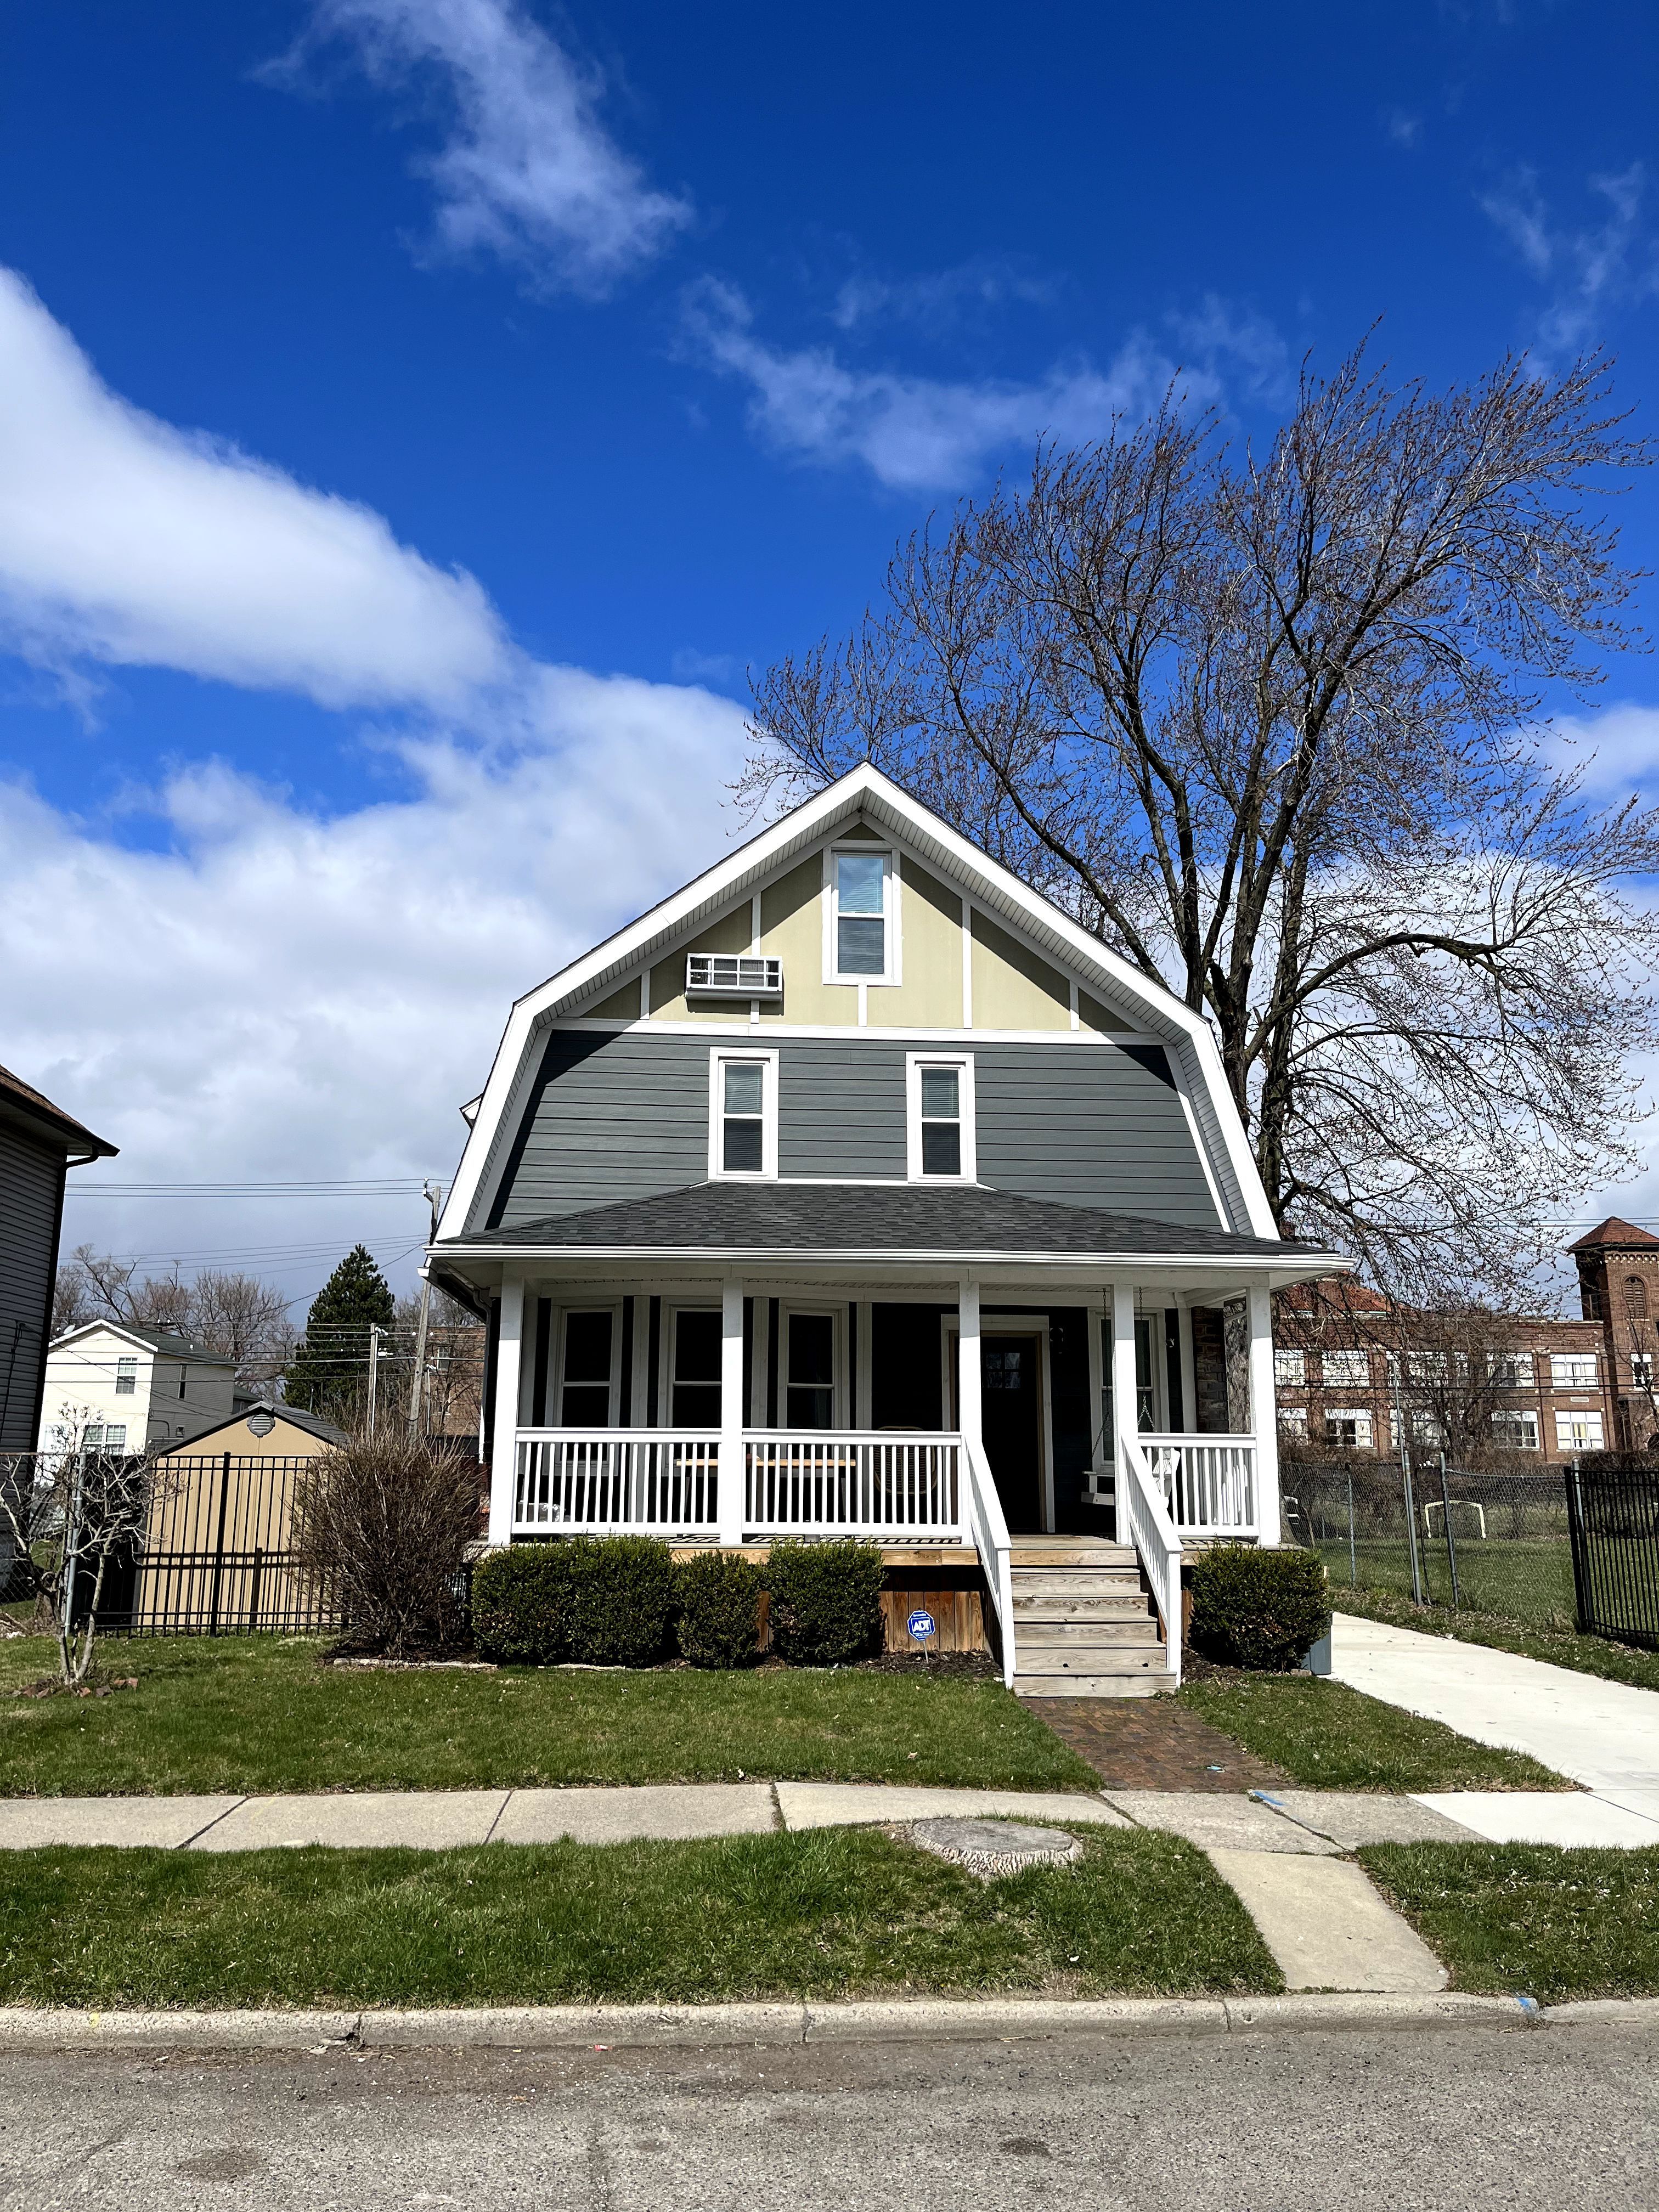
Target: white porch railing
{"x": 841, "y": 1482}
{"x": 660, "y": 1481}
{"x": 1143, "y": 1520}
{"x": 1209, "y": 1482}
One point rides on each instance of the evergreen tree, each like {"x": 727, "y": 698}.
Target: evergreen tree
{"x": 328, "y": 1372}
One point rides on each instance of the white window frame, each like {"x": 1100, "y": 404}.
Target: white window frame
{"x": 1510, "y": 1420}
{"x": 1562, "y": 1375}
{"x": 1293, "y": 1422}
{"x": 838, "y": 1377}
{"x": 1564, "y": 1439}
{"x": 1364, "y": 1425}
{"x": 126, "y": 1377}
{"x": 561, "y": 1328}
{"x": 892, "y": 950}
{"x": 1641, "y": 1370}
{"x": 1356, "y": 1374}
{"x": 1511, "y": 1370}
{"x": 719, "y": 1058}
{"x": 962, "y": 1065}
{"x": 1289, "y": 1369}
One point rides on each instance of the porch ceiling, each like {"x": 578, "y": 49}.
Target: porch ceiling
{"x": 885, "y": 1228}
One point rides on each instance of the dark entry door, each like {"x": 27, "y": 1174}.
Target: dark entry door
{"x": 1011, "y": 1410}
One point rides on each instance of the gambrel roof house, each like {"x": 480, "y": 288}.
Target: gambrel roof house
{"x": 856, "y": 1189}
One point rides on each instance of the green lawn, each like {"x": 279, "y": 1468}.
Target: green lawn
{"x": 1530, "y": 1919}
{"x": 1525, "y": 1579}
{"x": 260, "y": 1714}
{"x": 1586, "y": 1654}
{"x": 1328, "y": 1736}
{"x": 829, "y": 1913}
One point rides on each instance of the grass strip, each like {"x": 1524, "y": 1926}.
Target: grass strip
{"x": 1585, "y": 1655}
{"x": 1530, "y": 1919}
{"x": 1328, "y": 1736}
{"x": 260, "y": 1714}
{"x": 834, "y": 1913}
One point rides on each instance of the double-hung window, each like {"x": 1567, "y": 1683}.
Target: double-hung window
{"x": 1574, "y": 1371}
{"x": 940, "y": 1148}
{"x": 587, "y": 1373}
{"x": 743, "y": 1114}
{"x": 126, "y": 1377}
{"x": 861, "y": 920}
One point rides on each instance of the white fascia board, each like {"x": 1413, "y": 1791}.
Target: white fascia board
{"x": 1301, "y": 1268}
{"x": 864, "y": 789}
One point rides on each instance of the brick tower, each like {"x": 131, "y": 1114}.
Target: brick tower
{"x": 1619, "y": 1285}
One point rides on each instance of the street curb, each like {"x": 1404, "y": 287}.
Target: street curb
{"x": 576, "y": 2028}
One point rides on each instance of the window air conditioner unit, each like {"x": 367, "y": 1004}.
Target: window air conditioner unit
{"x": 733, "y": 976}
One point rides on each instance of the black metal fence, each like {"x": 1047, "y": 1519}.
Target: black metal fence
{"x": 1613, "y": 1515}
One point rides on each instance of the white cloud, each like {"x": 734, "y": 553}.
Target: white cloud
{"x": 917, "y": 433}
{"x": 127, "y": 541}
{"x": 279, "y": 996}
{"x": 1589, "y": 269}
{"x": 941, "y": 300}
{"x": 529, "y": 173}
{"x": 1224, "y": 339}
{"x": 1616, "y": 751}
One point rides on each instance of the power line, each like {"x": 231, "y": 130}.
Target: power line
{"x": 311, "y": 1187}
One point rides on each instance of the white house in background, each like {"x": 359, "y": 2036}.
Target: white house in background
{"x": 114, "y": 1387}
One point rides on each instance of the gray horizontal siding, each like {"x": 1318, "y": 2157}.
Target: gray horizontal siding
{"x": 625, "y": 1116}
{"x": 1098, "y": 1126}
{"x": 30, "y": 1175}
{"x": 840, "y": 1108}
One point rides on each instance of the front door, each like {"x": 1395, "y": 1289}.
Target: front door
{"x": 1010, "y": 1370}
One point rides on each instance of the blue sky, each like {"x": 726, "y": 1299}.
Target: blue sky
{"x": 419, "y": 412}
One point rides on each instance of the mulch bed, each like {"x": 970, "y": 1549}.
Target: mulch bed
{"x": 1153, "y": 1743}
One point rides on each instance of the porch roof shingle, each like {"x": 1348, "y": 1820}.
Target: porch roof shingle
{"x": 878, "y": 1219}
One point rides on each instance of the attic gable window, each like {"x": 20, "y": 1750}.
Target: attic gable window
{"x": 861, "y": 947}
{"x": 743, "y": 1114}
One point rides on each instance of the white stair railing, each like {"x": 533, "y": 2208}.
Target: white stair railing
{"x": 1144, "y": 1520}
{"x": 989, "y": 1527}
{"x": 1209, "y": 1482}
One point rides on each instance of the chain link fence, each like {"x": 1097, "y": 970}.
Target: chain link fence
{"x": 1491, "y": 1542}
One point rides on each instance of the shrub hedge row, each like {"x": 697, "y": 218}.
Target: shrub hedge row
{"x": 1262, "y": 1607}
{"x": 618, "y": 1600}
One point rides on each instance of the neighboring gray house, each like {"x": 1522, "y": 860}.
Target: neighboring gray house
{"x": 39, "y": 1144}
{"x": 856, "y": 1189}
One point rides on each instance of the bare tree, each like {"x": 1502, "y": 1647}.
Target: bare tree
{"x": 453, "y": 1385}
{"x": 234, "y": 1315}
{"x": 1268, "y": 724}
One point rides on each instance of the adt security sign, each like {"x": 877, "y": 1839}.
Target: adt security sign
{"x": 921, "y": 1625}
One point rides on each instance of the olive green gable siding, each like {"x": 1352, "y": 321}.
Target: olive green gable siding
{"x": 618, "y": 1114}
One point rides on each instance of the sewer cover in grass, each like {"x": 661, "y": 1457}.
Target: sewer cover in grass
{"x": 988, "y": 1848}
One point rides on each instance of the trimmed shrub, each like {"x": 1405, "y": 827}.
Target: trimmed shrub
{"x": 718, "y": 1598}
{"x": 622, "y": 1593}
{"x": 825, "y": 1601}
{"x": 1259, "y": 1607}
{"x": 521, "y": 1604}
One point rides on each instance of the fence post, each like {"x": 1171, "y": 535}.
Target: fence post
{"x": 1417, "y": 1598}
{"x": 219, "y": 1548}
{"x": 1451, "y": 1545}
{"x": 253, "y": 1588}
{"x": 1353, "y": 1567}
{"x": 1582, "y": 1596}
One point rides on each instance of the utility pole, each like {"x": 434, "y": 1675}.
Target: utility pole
{"x": 434, "y": 1199}
{"x": 374, "y": 1333}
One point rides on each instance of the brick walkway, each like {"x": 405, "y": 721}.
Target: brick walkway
{"x": 1152, "y": 1743}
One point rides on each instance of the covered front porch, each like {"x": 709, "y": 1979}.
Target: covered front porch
{"x": 957, "y": 1422}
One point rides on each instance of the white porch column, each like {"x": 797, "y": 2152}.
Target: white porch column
{"x": 733, "y": 1478}
{"x": 1264, "y": 1416}
{"x": 1124, "y": 1399}
{"x": 504, "y": 1454}
{"x": 969, "y": 1375}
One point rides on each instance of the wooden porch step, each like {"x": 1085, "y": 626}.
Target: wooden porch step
{"x": 1081, "y": 1605}
{"x": 1092, "y": 1685}
{"x": 1056, "y": 1551}
{"x": 1081, "y": 1656}
{"x": 1086, "y": 1635}
{"x": 1027, "y": 1581}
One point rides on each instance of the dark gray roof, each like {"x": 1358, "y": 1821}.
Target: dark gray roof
{"x": 20, "y": 1097}
{"x": 897, "y": 1217}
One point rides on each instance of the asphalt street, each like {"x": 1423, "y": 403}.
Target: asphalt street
{"x": 1412, "y": 2121}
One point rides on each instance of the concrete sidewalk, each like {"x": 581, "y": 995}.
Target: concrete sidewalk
{"x": 1603, "y": 1736}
